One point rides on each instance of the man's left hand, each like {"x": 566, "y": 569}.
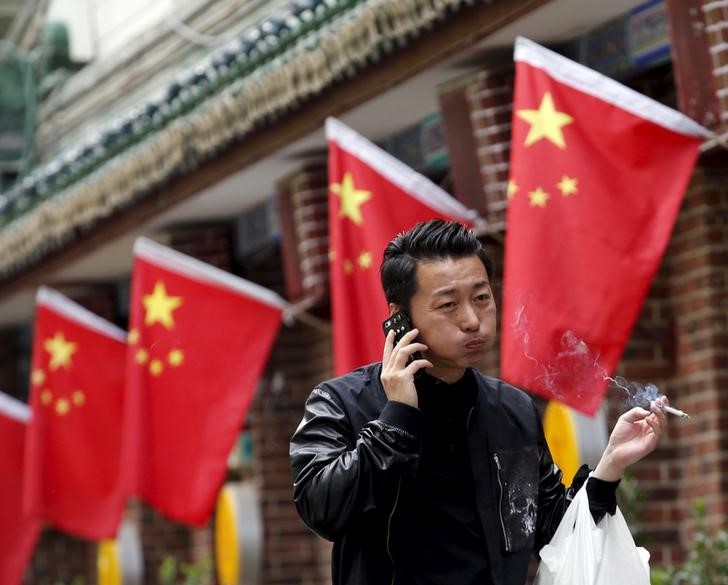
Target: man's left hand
{"x": 634, "y": 436}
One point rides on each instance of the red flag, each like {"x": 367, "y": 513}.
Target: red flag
{"x": 198, "y": 340}
{"x": 373, "y": 197}
{"x": 18, "y": 533}
{"x": 73, "y": 446}
{"x": 598, "y": 173}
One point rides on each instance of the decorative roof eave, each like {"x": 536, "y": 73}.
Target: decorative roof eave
{"x": 69, "y": 195}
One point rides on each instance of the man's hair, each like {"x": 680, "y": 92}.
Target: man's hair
{"x": 429, "y": 240}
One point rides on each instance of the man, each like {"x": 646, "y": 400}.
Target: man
{"x": 431, "y": 472}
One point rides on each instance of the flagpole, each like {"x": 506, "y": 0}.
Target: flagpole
{"x": 297, "y": 312}
{"x": 715, "y": 140}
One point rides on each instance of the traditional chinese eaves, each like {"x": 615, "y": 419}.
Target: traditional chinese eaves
{"x": 277, "y": 67}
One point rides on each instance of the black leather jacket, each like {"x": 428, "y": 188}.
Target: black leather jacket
{"x": 354, "y": 457}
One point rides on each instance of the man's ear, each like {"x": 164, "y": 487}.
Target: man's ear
{"x": 393, "y": 308}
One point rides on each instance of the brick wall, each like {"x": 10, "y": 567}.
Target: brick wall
{"x": 61, "y": 558}
{"x": 301, "y": 358}
{"x": 302, "y": 200}
{"x": 698, "y": 257}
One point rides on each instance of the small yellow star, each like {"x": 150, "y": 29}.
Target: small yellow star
{"x": 133, "y": 336}
{"x": 176, "y": 357}
{"x": 545, "y": 122}
{"x": 79, "y": 398}
{"x": 61, "y": 351}
{"x": 348, "y": 266}
{"x": 159, "y": 306}
{"x": 568, "y": 185}
{"x": 141, "y": 356}
{"x": 332, "y": 255}
{"x": 62, "y": 406}
{"x": 365, "y": 260}
{"x": 37, "y": 377}
{"x": 512, "y": 189}
{"x": 46, "y": 397}
{"x": 156, "y": 367}
{"x": 351, "y": 199}
{"x": 538, "y": 198}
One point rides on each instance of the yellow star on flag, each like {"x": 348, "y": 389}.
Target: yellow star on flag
{"x": 159, "y": 306}
{"x": 141, "y": 356}
{"x": 545, "y": 122}
{"x": 37, "y": 377}
{"x": 567, "y": 185}
{"x": 351, "y": 199}
{"x": 512, "y": 189}
{"x": 365, "y": 259}
{"x": 348, "y": 266}
{"x": 61, "y": 351}
{"x": 156, "y": 367}
{"x": 538, "y": 198}
{"x": 176, "y": 357}
{"x": 133, "y": 336}
{"x": 62, "y": 406}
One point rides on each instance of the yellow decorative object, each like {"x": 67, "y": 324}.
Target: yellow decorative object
{"x": 561, "y": 432}
{"x": 227, "y": 547}
{"x": 107, "y": 563}
{"x": 159, "y": 306}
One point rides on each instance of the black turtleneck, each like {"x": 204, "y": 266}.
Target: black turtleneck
{"x": 444, "y": 543}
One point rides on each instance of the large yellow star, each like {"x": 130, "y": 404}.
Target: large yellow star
{"x": 545, "y": 122}
{"x": 159, "y": 306}
{"x": 351, "y": 199}
{"x": 61, "y": 351}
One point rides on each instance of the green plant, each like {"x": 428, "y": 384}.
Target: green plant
{"x": 199, "y": 573}
{"x": 707, "y": 562}
{"x": 76, "y": 581}
{"x": 631, "y": 498}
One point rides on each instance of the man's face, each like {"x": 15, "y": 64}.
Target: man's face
{"x": 455, "y": 313}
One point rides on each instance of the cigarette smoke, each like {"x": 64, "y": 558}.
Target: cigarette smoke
{"x": 635, "y": 394}
{"x": 575, "y": 364}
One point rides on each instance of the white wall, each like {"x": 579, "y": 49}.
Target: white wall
{"x": 99, "y": 27}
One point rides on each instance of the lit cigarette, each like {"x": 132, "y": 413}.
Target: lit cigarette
{"x": 675, "y": 411}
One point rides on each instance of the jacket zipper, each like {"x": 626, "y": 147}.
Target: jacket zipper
{"x": 389, "y": 526}
{"x": 500, "y": 502}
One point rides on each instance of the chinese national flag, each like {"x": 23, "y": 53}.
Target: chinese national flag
{"x": 598, "y": 173}
{"x": 18, "y": 532}
{"x": 199, "y": 338}
{"x": 372, "y": 198}
{"x": 73, "y": 445}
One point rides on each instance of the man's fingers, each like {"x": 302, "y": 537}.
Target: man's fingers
{"x": 635, "y": 415}
{"x": 418, "y": 365}
{"x": 388, "y": 346}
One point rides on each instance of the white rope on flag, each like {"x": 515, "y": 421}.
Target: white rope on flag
{"x": 600, "y": 86}
{"x": 55, "y": 301}
{"x": 13, "y": 408}
{"x": 185, "y": 265}
{"x": 416, "y": 185}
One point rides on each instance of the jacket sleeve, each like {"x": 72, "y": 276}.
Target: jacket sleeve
{"x": 554, "y": 498}
{"x": 337, "y": 475}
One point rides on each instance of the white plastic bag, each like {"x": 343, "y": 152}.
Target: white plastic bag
{"x": 582, "y": 553}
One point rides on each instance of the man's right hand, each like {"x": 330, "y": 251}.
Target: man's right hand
{"x": 397, "y": 377}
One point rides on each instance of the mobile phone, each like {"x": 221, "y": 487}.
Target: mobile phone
{"x": 400, "y": 323}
